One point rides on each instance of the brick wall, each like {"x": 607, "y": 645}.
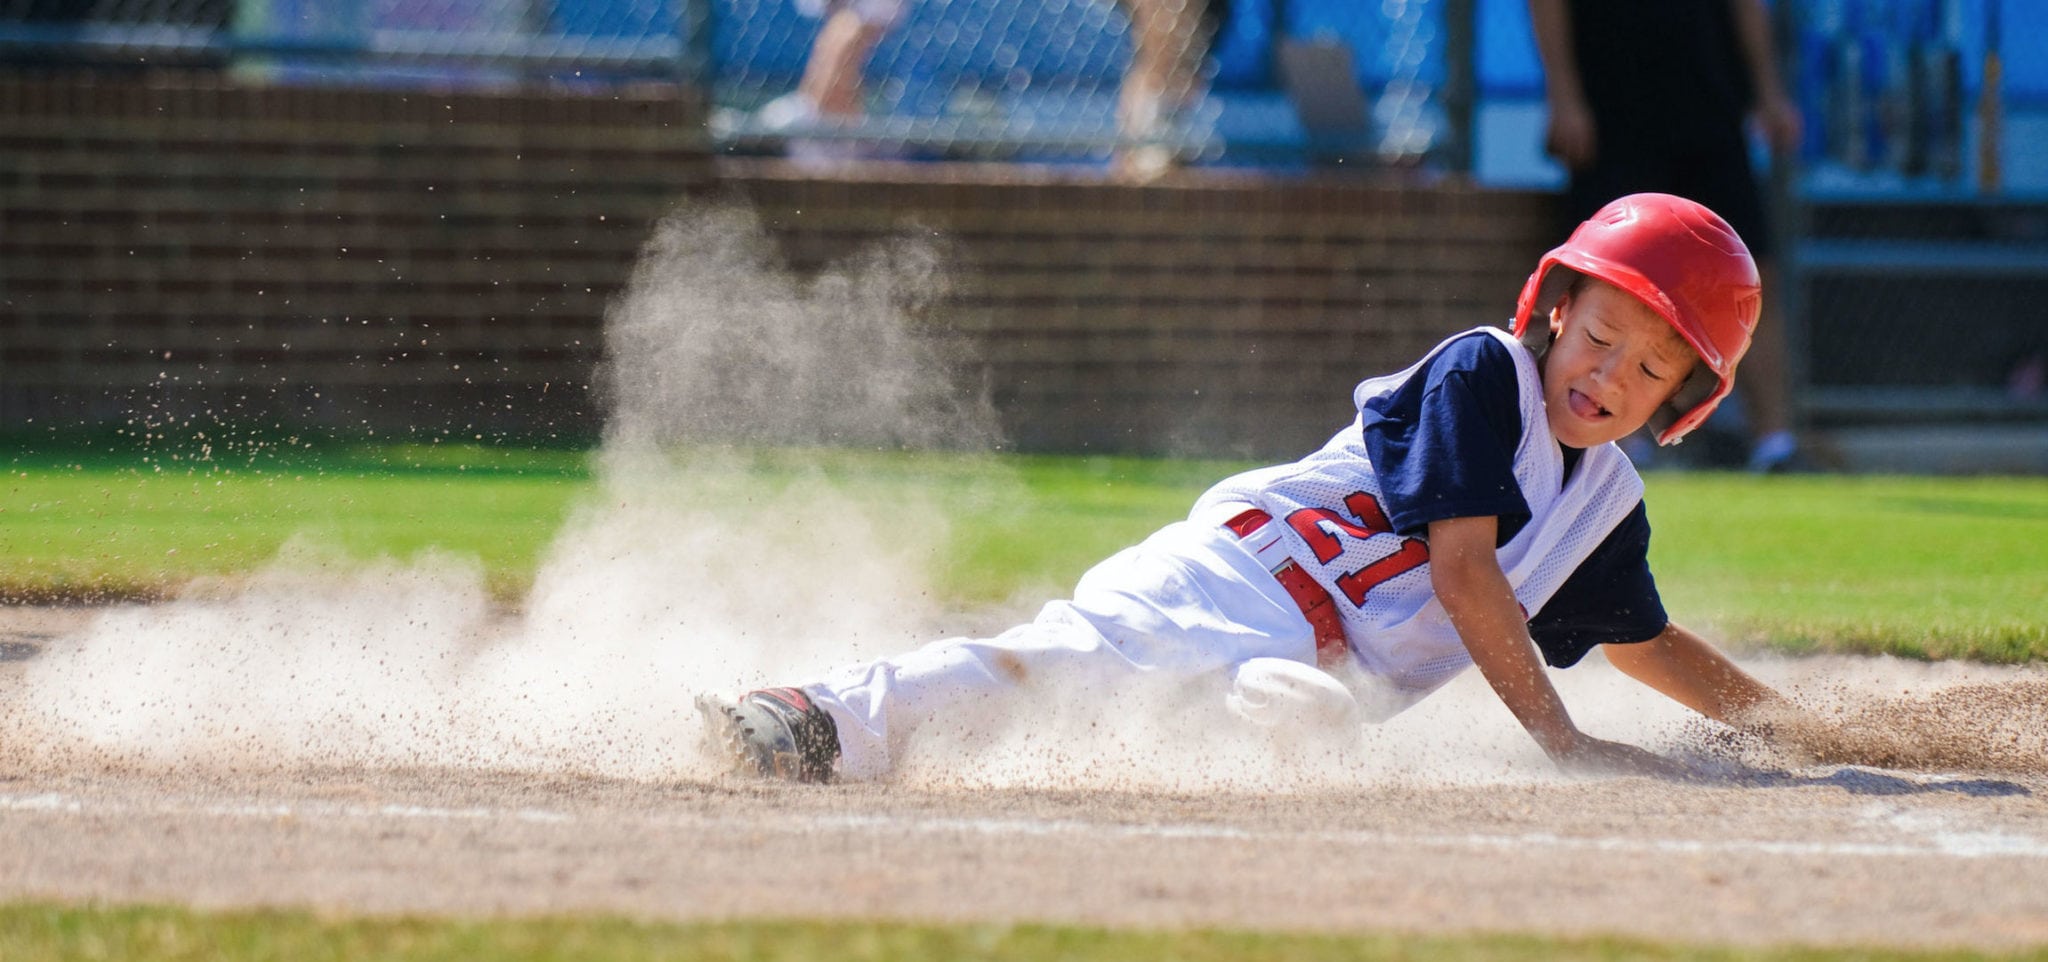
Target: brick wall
{"x": 191, "y": 249}
{"x": 1227, "y": 315}
{"x": 183, "y": 248}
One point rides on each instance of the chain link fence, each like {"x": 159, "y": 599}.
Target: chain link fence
{"x": 1920, "y": 93}
{"x": 1252, "y": 81}
{"x": 358, "y": 41}
{"x": 1917, "y": 223}
{"x": 1249, "y": 81}
{"x": 1897, "y": 92}
{"x": 1920, "y": 231}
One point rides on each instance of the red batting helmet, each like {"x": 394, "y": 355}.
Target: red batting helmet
{"x": 1682, "y": 260}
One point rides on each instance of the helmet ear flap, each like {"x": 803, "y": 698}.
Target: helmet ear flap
{"x": 1699, "y": 388}
{"x": 1556, "y": 281}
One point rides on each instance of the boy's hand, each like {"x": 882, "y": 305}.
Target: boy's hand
{"x": 1593, "y": 756}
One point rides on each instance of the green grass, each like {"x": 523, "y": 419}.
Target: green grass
{"x": 1921, "y": 567}
{"x": 86, "y": 524}
{"x": 35, "y": 932}
{"x": 1912, "y": 566}
{"x": 1053, "y": 517}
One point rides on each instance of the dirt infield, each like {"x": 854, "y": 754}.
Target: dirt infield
{"x": 1478, "y": 839}
{"x": 1841, "y": 857}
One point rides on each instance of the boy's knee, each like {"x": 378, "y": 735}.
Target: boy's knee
{"x": 1279, "y": 693}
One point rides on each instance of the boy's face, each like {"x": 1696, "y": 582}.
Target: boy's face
{"x": 1613, "y": 362}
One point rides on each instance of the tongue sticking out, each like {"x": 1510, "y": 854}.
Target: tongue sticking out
{"x": 1584, "y": 407}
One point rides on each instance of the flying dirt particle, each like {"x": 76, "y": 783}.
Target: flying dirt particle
{"x": 1978, "y": 728}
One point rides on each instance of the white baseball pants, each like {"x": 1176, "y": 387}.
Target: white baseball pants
{"x": 1186, "y": 605}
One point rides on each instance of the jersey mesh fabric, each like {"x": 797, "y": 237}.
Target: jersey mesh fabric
{"x": 1610, "y": 599}
{"x": 1396, "y": 627}
{"x": 1442, "y": 446}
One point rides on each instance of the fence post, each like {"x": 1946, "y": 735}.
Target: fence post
{"x": 693, "y": 48}
{"x": 1461, "y": 83}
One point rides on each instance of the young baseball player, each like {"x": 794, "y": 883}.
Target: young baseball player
{"x": 1477, "y": 512}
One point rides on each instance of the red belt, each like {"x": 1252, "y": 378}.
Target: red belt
{"x": 1315, "y": 602}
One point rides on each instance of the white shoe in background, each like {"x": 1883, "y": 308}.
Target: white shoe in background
{"x": 791, "y": 111}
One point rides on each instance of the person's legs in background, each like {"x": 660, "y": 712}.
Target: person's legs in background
{"x": 1765, "y": 383}
{"x": 1721, "y": 176}
{"x": 1169, "y": 38}
{"x": 832, "y": 88}
{"x": 832, "y": 75}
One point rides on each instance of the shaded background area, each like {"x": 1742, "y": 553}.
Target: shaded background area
{"x": 409, "y": 215}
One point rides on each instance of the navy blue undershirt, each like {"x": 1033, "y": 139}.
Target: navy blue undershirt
{"x": 1443, "y": 445}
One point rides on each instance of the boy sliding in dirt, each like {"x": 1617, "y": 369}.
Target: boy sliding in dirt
{"x": 1477, "y": 512}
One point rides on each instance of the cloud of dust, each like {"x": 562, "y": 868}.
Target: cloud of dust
{"x": 692, "y": 569}
{"x": 1935, "y": 719}
{"x": 1938, "y": 717}
{"x": 1181, "y": 738}
{"x": 718, "y": 342}
{"x": 714, "y": 555}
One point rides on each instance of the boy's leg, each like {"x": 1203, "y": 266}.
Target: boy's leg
{"x": 967, "y": 688}
{"x": 1187, "y": 603}
{"x": 1279, "y": 693}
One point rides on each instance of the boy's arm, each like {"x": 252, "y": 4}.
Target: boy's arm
{"x": 1475, "y": 593}
{"x": 1692, "y": 672}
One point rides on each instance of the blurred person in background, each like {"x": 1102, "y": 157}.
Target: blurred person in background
{"x": 1168, "y": 40}
{"x": 831, "y": 88}
{"x": 1653, "y": 95}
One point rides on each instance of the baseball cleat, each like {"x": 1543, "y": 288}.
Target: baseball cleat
{"x": 772, "y": 733}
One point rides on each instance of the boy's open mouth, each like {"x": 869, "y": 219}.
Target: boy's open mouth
{"x": 1585, "y": 407}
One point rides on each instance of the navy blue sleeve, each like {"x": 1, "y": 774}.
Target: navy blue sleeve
{"x": 1443, "y": 444}
{"x": 1610, "y": 599}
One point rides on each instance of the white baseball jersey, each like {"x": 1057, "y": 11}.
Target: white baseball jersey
{"x": 1335, "y": 528}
